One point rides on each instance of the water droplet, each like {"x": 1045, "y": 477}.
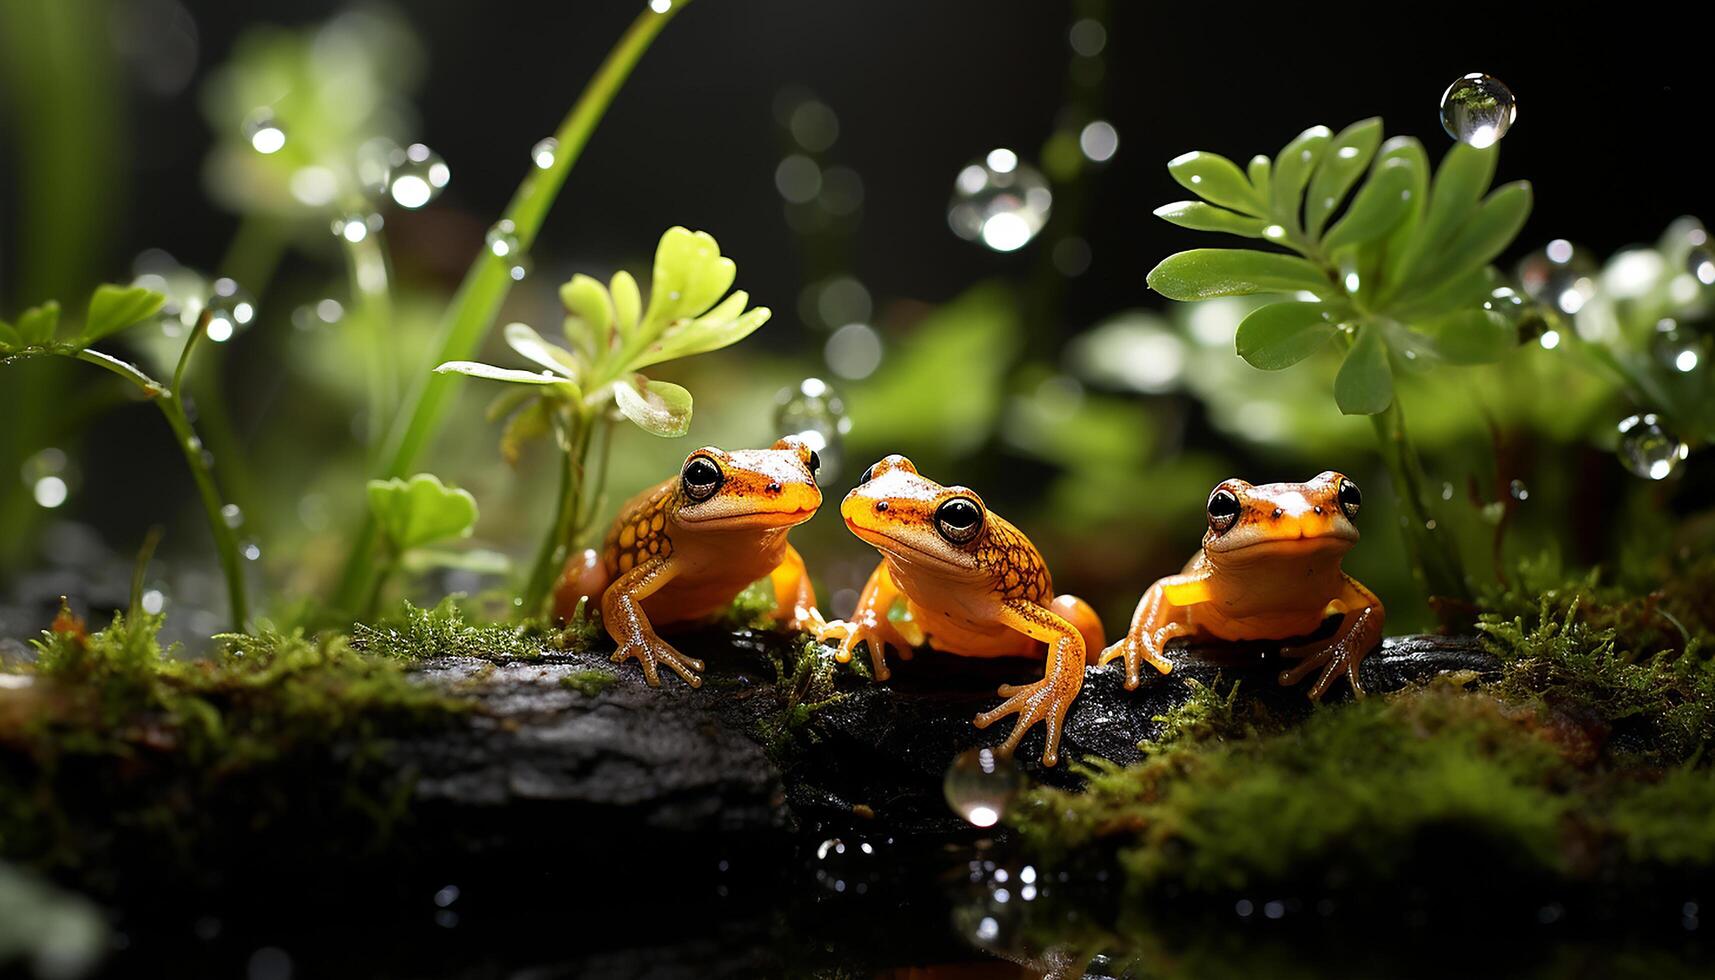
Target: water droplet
{"x": 48, "y": 476}
{"x": 798, "y": 179}
{"x": 232, "y": 515}
{"x": 1099, "y": 141}
{"x": 418, "y": 175}
{"x": 353, "y": 227}
{"x": 853, "y": 351}
{"x": 544, "y": 152}
{"x": 660, "y": 6}
{"x": 1446, "y": 491}
{"x": 250, "y": 550}
{"x": 1478, "y": 110}
{"x": 835, "y": 301}
{"x": 1088, "y": 37}
{"x": 999, "y": 202}
{"x": 814, "y": 411}
{"x": 152, "y": 601}
{"x": 1519, "y": 491}
{"x": 264, "y": 131}
{"x": 1678, "y": 348}
{"x": 847, "y": 866}
{"x": 1700, "y": 262}
{"x": 1649, "y": 450}
{"x": 980, "y": 786}
{"x": 231, "y": 309}
{"x": 814, "y": 125}
{"x": 1559, "y": 276}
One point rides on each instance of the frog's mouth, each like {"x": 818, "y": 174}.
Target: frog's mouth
{"x": 762, "y": 519}
{"x": 943, "y": 556}
{"x": 1264, "y": 548}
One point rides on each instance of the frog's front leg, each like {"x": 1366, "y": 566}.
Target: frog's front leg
{"x": 1345, "y": 650}
{"x": 794, "y": 596}
{"x": 869, "y": 625}
{"x": 622, "y": 614}
{"x": 1160, "y": 617}
{"x": 1049, "y": 698}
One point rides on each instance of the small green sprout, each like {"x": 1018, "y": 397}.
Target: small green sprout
{"x": 1401, "y": 275}
{"x": 417, "y": 512}
{"x": 114, "y": 308}
{"x": 613, "y": 337}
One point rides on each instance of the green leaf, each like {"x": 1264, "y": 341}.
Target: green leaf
{"x": 1470, "y": 336}
{"x": 627, "y": 302}
{"x": 9, "y": 336}
{"x": 690, "y": 276}
{"x": 37, "y": 324}
{"x": 1381, "y": 203}
{"x": 1259, "y": 169}
{"x": 1459, "y": 184}
{"x": 722, "y": 326}
{"x": 658, "y": 407}
{"x": 1292, "y": 170}
{"x": 530, "y": 345}
{"x": 590, "y": 326}
{"x": 1364, "y": 385}
{"x": 1198, "y": 216}
{"x": 1202, "y": 273}
{"x": 421, "y": 510}
{"x": 1347, "y": 157}
{"x": 507, "y": 402}
{"x": 1485, "y": 235}
{"x": 1282, "y": 334}
{"x": 476, "y": 369}
{"x": 1217, "y": 180}
{"x": 113, "y": 308}
{"x": 1409, "y": 150}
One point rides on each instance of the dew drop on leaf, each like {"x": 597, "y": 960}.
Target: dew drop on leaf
{"x": 544, "y": 152}
{"x": 1648, "y": 449}
{"x": 999, "y": 202}
{"x": 232, "y": 515}
{"x": 49, "y": 477}
{"x": 230, "y": 309}
{"x": 1561, "y": 276}
{"x": 263, "y": 132}
{"x": 980, "y": 786}
{"x": 418, "y": 175}
{"x": 1478, "y": 110}
{"x": 813, "y": 411}
{"x": 1700, "y": 262}
{"x": 1677, "y": 348}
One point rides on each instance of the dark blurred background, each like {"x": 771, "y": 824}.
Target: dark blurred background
{"x": 1609, "y": 130}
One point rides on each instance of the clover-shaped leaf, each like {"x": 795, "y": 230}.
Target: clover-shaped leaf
{"x": 113, "y": 308}
{"x": 421, "y": 511}
{"x": 37, "y": 324}
{"x": 658, "y": 407}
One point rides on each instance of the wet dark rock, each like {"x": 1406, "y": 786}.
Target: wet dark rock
{"x": 571, "y": 739}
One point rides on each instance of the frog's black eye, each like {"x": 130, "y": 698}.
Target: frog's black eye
{"x": 959, "y": 519}
{"x": 815, "y": 463}
{"x": 1223, "y": 510}
{"x": 1350, "y": 497}
{"x": 868, "y": 474}
{"x": 702, "y": 477}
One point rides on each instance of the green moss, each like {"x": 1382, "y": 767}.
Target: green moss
{"x": 1666, "y": 822}
{"x": 1353, "y": 793}
{"x": 753, "y": 608}
{"x": 442, "y": 631}
{"x": 118, "y": 735}
{"x": 1209, "y": 715}
{"x": 589, "y": 683}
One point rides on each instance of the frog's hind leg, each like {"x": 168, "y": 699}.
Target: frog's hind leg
{"x": 794, "y": 596}
{"x": 585, "y": 576}
{"x": 1341, "y": 653}
{"x": 622, "y": 614}
{"x": 1048, "y": 699}
{"x": 1083, "y": 619}
{"x": 1160, "y": 616}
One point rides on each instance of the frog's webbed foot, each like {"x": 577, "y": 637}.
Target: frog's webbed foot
{"x": 1336, "y": 656}
{"x": 1046, "y": 700}
{"x": 653, "y": 653}
{"x": 874, "y": 632}
{"x": 1145, "y": 648}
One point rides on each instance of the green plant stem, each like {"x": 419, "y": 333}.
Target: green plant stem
{"x": 574, "y": 436}
{"x": 1435, "y": 561}
{"x": 485, "y": 285}
{"x": 225, "y": 540}
{"x": 372, "y": 296}
{"x": 389, "y": 565}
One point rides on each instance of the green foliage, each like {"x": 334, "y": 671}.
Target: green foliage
{"x": 442, "y": 630}
{"x": 613, "y": 338}
{"x": 1401, "y": 272}
{"x": 1208, "y": 716}
{"x": 589, "y": 683}
{"x": 113, "y": 308}
{"x": 421, "y": 511}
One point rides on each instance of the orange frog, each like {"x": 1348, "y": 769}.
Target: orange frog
{"x": 1269, "y": 569}
{"x": 973, "y": 584}
{"x": 680, "y": 552}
